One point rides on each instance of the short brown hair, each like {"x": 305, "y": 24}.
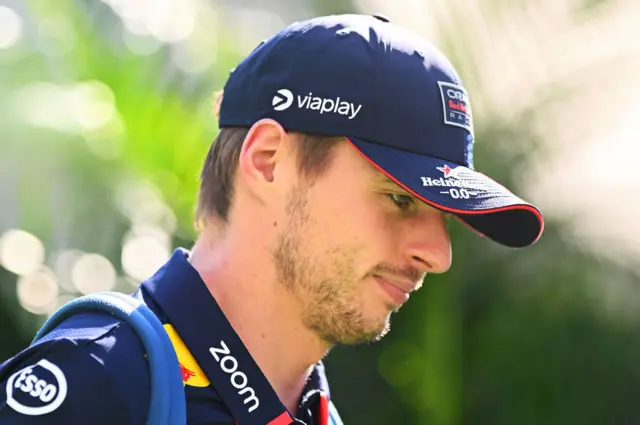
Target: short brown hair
{"x": 314, "y": 155}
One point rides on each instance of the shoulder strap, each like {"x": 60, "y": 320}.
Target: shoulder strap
{"x": 167, "y": 400}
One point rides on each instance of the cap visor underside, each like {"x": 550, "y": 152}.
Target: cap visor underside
{"x": 477, "y": 200}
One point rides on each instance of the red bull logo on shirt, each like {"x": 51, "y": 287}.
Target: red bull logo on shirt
{"x": 186, "y": 373}
{"x": 192, "y": 374}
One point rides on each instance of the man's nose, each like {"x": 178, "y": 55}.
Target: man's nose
{"x": 428, "y": 244}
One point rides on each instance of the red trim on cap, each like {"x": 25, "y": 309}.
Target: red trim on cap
{"x": 454, "y": 210}
{"x": 323, "y": 410}
{"x": 283, "y": 419}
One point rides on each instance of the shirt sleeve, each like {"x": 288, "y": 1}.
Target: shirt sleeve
{"x": 90, "y": 371}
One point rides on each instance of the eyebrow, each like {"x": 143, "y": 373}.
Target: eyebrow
{"x": 383, "y": 178}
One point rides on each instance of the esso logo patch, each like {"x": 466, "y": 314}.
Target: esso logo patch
{"x": 37, "y": 389}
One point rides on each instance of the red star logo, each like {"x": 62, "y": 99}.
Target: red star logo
{"x": 446, "y": 170}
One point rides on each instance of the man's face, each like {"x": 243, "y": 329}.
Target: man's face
{"x": 348, "y": 241}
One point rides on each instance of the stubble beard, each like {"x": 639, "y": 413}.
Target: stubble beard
{"x": 327, "y": 295}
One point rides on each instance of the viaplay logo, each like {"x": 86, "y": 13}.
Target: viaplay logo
{"x": 456, "y": 106}
{"x": 284, "y": 98}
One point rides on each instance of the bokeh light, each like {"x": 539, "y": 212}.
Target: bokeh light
{"x": 21, "y": 252}
{"x": 37, "y": 290}
{"x": 144, "y": 250}
{"x": 93, "y": 273}
{"x": 74, "y": 108}
{"x": 10, "y": 27}
{"x": 92, "y": 104}
{"x": 168, "y": 21}
{"x": 62, "y": 263}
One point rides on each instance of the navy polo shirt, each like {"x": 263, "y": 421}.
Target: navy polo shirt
{"x": 92, "y": 368}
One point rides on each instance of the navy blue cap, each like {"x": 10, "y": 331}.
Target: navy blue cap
{"x": 397, "y": 100}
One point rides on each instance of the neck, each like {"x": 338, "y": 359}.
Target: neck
{"x": 263, "y": 313}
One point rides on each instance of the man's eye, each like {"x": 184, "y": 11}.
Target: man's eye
{"x": 403, "y": 202}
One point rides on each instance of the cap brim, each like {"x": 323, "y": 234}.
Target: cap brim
{"x": 477, "y": 200}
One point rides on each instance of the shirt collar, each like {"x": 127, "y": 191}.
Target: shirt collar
{"x": 184, "y": 300}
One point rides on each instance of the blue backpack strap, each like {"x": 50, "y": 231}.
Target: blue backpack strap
{"x": 334, "y": 417}
{"x": 167, "y": 400}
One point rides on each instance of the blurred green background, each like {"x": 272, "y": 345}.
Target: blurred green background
{"x": 106, "y": 118}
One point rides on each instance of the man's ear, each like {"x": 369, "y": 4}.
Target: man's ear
{"x": 264, "y": 145}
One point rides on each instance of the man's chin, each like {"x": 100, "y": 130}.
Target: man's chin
{"x": 358, "y": 338}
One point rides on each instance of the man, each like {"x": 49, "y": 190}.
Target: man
{"x": 345, "y": 143}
